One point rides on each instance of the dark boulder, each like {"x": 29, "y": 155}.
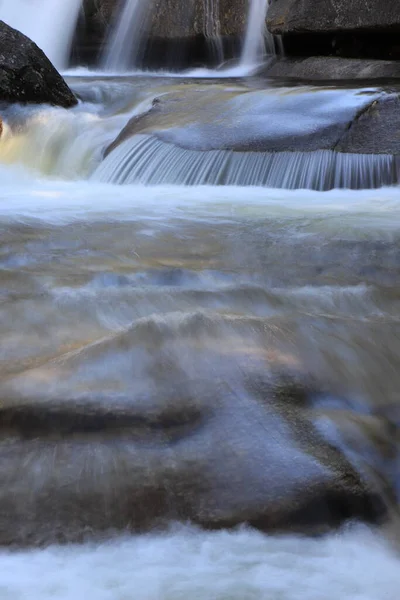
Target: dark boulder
{"x": 27, "y": 75}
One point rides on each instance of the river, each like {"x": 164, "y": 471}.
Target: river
{"x": 115, "y": 291}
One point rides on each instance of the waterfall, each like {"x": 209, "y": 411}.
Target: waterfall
{"x": 212, "y": 29}
{"x": 258, "y": 41}
{"x": 124, "y": 44}
{"x": 148, "y": 160}
{"x": 49, "y": 23}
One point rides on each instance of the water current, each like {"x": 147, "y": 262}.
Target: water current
{"x": 174, "y": 297}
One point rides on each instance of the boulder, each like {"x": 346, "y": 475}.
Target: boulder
{"x": 26, "y": 74}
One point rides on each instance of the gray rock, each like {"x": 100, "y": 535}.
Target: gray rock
{"x": 167, "y": 446}
{"x": 26, "y": 74}
{"x": 322, "y": 16}
{"x": 325, "y": 68}
{"x": 376, "y": 130}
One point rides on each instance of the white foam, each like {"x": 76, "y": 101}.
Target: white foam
{"x": 188, "y": 564}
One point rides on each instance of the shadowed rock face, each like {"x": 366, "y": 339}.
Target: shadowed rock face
{"x": 318, "y": 16}
{"x": 174, "y": 448}
{"x": 352, "y": 28}
{"x": 26, "y": 74}
{"x": 177, "y": 32}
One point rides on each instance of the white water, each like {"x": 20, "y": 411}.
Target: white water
{"x": 188, "y": 564}
{"x": 49, "y": 23}
{"x": 143, "y": 159}
{"x": 258, "y": 42}
{"x": 123, "y": 47}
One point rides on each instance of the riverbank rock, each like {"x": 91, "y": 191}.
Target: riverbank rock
{"x": 26, "y": 74}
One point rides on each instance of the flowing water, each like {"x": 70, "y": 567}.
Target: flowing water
{"x": 49, "y": 23}
{"x": 123, "y": 49}
{"x": 258, "y": 42}
{"x": 172, "y": 297}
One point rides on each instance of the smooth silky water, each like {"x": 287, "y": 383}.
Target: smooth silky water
{"x": 218, "y": 278}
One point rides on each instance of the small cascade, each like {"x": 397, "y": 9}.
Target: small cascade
{"x": 49, "y": 23}
{"x": 148, "y": 160}
{"x": 212, "y": 30}
{"x": 258, "y": 41}
{"x": 124, "y": 45}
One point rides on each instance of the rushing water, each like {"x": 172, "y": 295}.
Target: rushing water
{"x": 159, "y": 295}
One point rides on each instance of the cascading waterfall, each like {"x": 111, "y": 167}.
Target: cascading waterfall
{"x": 258, "y": 41}
{"x": 49, "y": 23}
{"x": 212, "y": 29}
{"x": 148, "y": 160}
{"x": 123, "y": 47}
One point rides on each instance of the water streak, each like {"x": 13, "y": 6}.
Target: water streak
{"x": 258, "y": 42}
{"x": 49, "y": 23}
{"x": 212, "y": 29}
{"x": 125, "y": 43}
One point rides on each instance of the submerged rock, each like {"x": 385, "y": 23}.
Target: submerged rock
{"x": 27, "y": 75}
{"x": 170, "y": 448}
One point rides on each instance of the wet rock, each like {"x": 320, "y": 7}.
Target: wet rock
{"x": 347, "y": 121}
{"x": 26, "y": 74}
{"x": 193, "y": 450}
{"x": 376, "y": 129}
{"x": 176, "y": 35}
{"x": 325, "y": 68}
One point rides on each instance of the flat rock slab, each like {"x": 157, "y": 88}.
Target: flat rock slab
{"x": 297, "y": 119}
{"x": 326, "y": 68}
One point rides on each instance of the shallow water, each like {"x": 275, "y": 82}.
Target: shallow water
{"x": 109, "y": 291}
